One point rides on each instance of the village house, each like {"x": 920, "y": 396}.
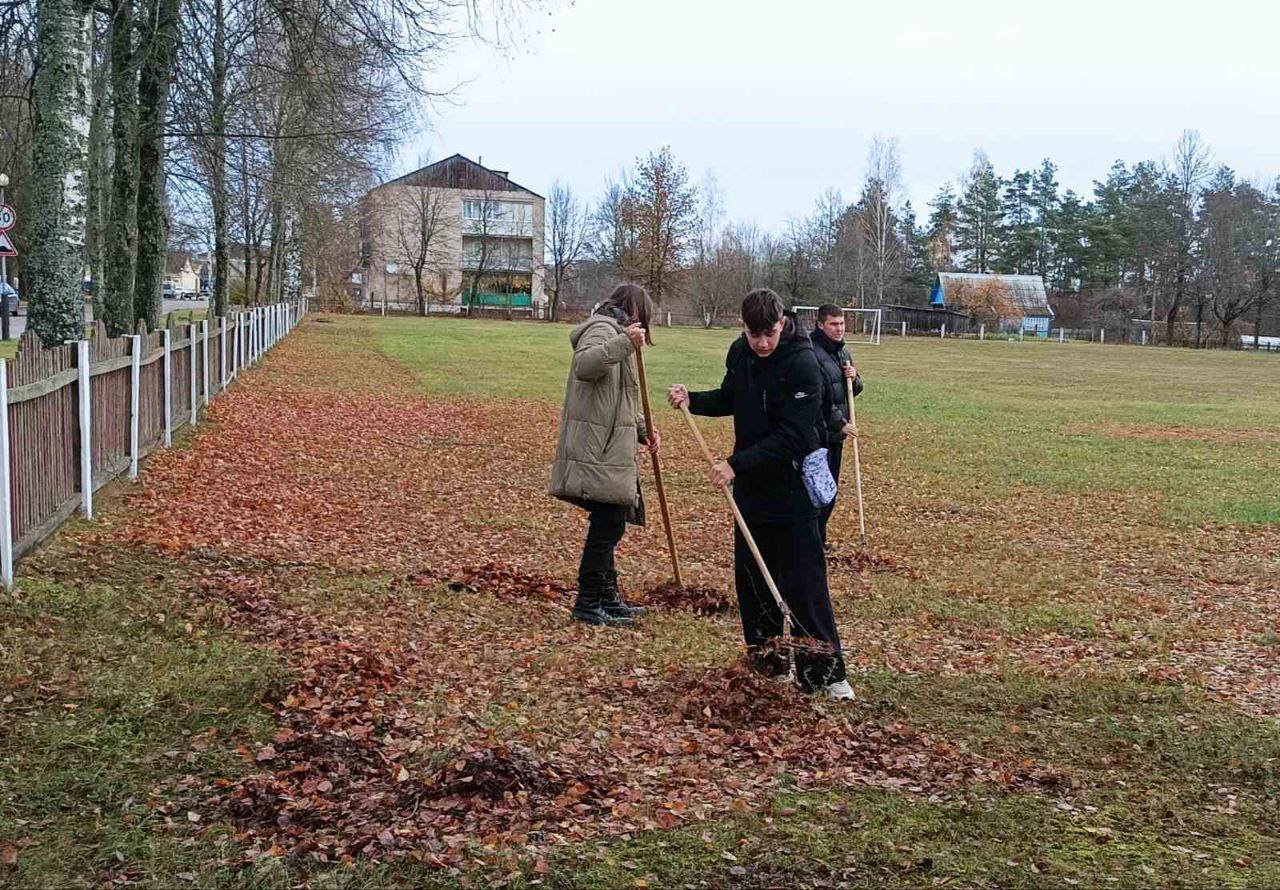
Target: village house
{"x": 1025, "y": 292}
{"x": 475, "y": 235}
{"x": 181, "y": 275}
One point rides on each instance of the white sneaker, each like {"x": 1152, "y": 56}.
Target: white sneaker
{"x": 841, "y": 691}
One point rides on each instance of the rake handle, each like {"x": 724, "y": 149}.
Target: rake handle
{"x": 742, "y": 527}
{"x": 857, "y": 463}
{"x": 657, "y": 469}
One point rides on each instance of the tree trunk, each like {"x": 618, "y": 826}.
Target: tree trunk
{"x": 55, "y": 262}
{"x": 249, "y": 246}
{"x": 291, "y": 258}
{"x": 1257, "y": 318}
{"x": 273, "y": 259}
{"x": 121, "y": 250}
{"x": 160, "y": 36}
{"x": 99, "y": 173}
{"x": 218, "y": 180}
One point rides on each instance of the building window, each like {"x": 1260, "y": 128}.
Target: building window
{"x": 498, "y": 211}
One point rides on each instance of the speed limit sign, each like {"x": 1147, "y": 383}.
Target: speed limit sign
{"x": 8, "y": 217}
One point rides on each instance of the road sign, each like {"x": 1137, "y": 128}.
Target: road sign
{"x": 6, "y": 245}
{"x": 8, "y": 217}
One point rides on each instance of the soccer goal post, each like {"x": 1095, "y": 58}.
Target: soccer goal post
{"x": 861, "y": 325}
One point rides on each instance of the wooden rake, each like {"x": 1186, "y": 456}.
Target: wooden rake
{"x": 746, "y": 534}
{"x": 857, "y": 463}
{"x": 657, "y": 469}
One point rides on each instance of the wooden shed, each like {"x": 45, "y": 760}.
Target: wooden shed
{"x": 1026, "y": 291}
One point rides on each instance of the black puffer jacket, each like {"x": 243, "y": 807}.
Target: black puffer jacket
{"x": 776, "y": 403}
{"x": 832, "y": 357}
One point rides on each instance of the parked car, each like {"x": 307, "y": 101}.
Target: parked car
{"x": 167, "y": 291}
{"x": 11, "y": 299}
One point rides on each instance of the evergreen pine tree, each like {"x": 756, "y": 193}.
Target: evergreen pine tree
{"x": 978, "y": 216}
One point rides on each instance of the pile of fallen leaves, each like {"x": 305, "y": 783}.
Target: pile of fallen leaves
{"x": 678, "y": 598}
{"x": 493, "y": 774}
{"x": 737, "y": 698}
{"x": 508, "y": 581}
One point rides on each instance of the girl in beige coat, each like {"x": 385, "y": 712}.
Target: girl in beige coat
{"x": 602, "y": 425}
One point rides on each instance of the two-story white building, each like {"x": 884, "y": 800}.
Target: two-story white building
{"x": 470, "y": 235}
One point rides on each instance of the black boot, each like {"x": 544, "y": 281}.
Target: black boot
{"x": 612, "y": 599}
{"x": 590, "y": 606}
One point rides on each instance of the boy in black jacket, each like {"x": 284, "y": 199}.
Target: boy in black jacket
{"x": 773, "y": 389}
{"x": 835, "y": 364}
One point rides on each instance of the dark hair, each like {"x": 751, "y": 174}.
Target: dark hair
{"x": 761, "y": 310}
{"x": 634, "y": 302}
{"x": 827, "y": 310}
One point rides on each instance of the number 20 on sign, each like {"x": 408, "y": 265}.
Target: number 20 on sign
{"x": 8, "y": 218}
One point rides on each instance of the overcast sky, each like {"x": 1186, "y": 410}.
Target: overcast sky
{"x": 780, "y": 99}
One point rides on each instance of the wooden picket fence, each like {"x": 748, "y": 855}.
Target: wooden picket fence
{"x": 75, "y": 417}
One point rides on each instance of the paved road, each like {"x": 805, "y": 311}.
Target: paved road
{"x": 18, "y": 323}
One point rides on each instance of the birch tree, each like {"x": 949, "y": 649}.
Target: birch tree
{"x": 877, "y": 219}
{"x": 56, "y": 231}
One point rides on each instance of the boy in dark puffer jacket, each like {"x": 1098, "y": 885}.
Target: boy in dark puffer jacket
{"x": 836, "y": 365}
{"x": 773, "y": 389}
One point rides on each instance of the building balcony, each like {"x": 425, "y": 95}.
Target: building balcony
{"x": 498, "y": 228}
{"x": 498, "y": 262}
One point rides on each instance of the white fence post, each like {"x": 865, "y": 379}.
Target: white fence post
{"x": 904, "y": 329}
{"x": 1061, "y": 335}
{"x": 191, "y": 352}
{"x": 1102, "y": 336}
{"x": 943, "y": 333}
{"x": 1144, "y": 338}
{"x": 86, "y": 431}
{"x": 204, "y": 359}
{"x": 982, "y": 332}
{"x": 168, "y": 389}
{"x": 6, "y": 496}
{"x": 222, "y": 358}
{"x": 135, "y": 382}
{"x": 1022, "y": 333}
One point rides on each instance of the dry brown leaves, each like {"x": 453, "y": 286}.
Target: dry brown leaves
{"x": 865, "y": 561}
{"x": 445, "y": 730}
{"x": 677, "y": 598}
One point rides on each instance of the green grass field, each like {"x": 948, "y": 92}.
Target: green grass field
{"x": 1005, "y": 413}
{"x": 1077, "y": 550}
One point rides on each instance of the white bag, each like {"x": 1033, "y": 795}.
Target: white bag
{"x": 818, "y": 480}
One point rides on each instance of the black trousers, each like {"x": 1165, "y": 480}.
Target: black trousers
{"x": 793, "y": 552}
{"x": 834, "y": 454}
{"x": 607, "y": 525}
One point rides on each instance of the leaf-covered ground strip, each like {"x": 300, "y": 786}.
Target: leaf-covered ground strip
{"x": 326, "y": 641}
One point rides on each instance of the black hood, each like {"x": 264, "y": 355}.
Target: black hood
{"x": 821, "y": 340}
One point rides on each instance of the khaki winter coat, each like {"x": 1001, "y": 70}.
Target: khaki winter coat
{"x": 603, "y": 422}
